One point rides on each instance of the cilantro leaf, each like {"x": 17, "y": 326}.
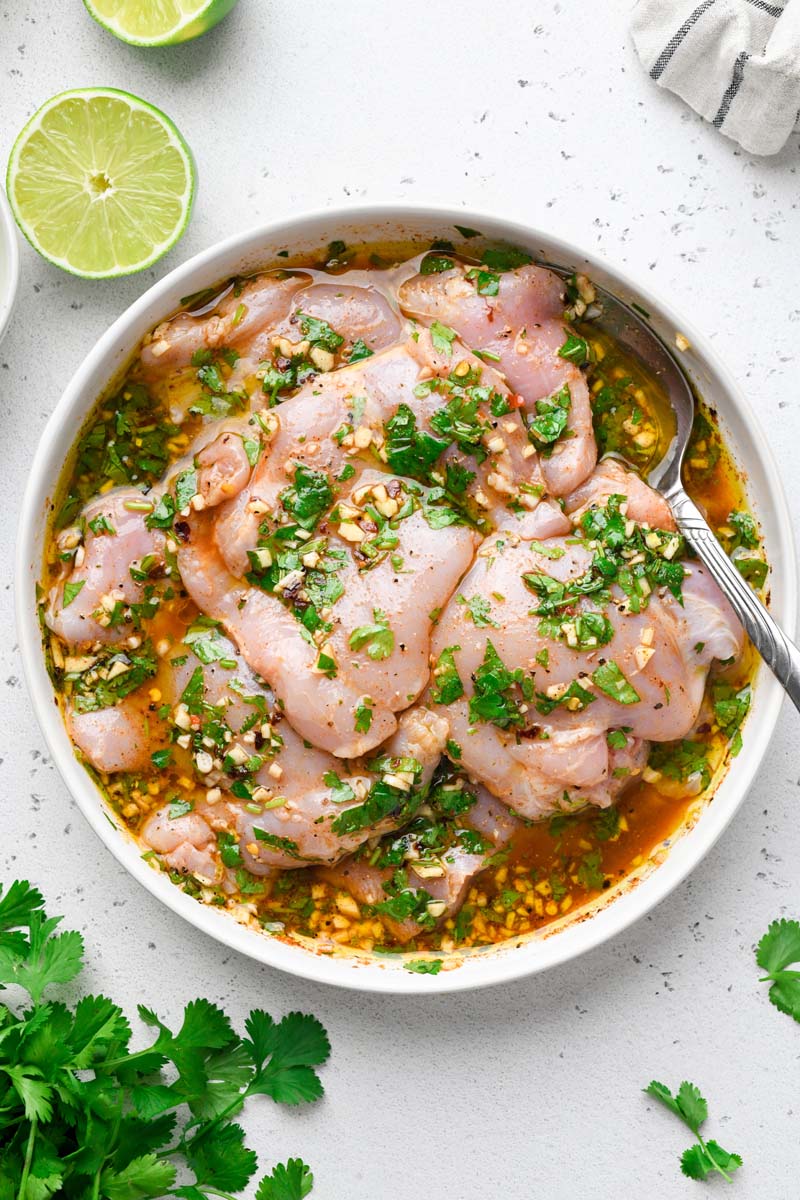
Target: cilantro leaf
{"x": 284, "y": 1055}
{"x": 424, "y": 966}
{"x": 609, "y": 678}
{"x": 479, "y": 609}
{"x": 487, "y": 283}
{"x": 682, "y": 760}
{"x": 143, "y": 1176}
{"x": 576, "y": 350}
{"x": 362, "y": 715}
{"x": 18, "y": 904}
{"x": 496, "y": 692}
{"x": 377, "y": 639}
{"x": 448, "y": 686}
{"x": 185, "y": 488}
{"x": 730, "y": 708}
{"x": 284, "y": 844}
{"x": 207, "y": 642}
{"x": 410, "y": 451}
{"x": 319, "y": 333}
{"x": 43, "y": 959}
{"x": 71, "y": 590}
{"x": 384, "y": 798}
{"x": 359, "y": 351}
{"x": 550, "y": 420}
{"x": 700, "y": 1160}
{"x": 778, "y": 948}
{"x": 288, "y": 1181}
{"x": 32, "y": 1090}
{"x": 745, "y": 527}
{"x": 341, "y": 792}
{"x": 308, "y": 497}
{"x": 505, "y": 258}
{"x": 434, "y": 264}
{"x": 219, "y": 1158}
{"x": 442, "y": 337}
{"x": 590, "y": 872}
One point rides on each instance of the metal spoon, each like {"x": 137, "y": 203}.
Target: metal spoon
{"x": 779, "y": 653}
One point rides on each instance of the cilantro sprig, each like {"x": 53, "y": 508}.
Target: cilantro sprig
{"x": 703, "y": 1158}
{"x": 82, "y": 1114}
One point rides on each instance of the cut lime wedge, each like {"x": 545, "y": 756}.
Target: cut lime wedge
{"x": 100, "y": 182}
{"x": 158, "y": 22}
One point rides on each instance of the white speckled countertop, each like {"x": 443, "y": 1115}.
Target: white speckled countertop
{"x": 541, "y": 112}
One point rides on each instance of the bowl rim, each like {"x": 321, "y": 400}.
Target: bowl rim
{"x": 8, "y": 235}
{"x": 496, "y": 965}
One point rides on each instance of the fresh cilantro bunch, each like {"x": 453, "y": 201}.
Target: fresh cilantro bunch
{"x": 703, "y": 1158}
{"x": 84, "y": 1117}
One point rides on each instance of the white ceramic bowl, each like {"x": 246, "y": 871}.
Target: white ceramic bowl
{"x": 9, "y": 263}
{"x": 244, "y": 253}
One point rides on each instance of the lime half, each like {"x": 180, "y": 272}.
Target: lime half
{"x": 158, "y": 22}
{"x": 100, "y": 182}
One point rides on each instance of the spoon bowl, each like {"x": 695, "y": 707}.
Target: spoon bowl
{"x": 624, "y": 324}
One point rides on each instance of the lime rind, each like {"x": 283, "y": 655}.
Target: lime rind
{"x": 175, "y": 21}
{"x": 50, "y": 196}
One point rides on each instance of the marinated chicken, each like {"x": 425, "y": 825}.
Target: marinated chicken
{"x": 347, "y": 618}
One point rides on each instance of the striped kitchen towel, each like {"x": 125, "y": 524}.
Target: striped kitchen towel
{"x": 736, "y": 62}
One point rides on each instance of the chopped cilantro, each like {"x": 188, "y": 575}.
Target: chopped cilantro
{"x": 434, "y": 264}
{"x": 341, "y": 792}
{"x": 101, "y": 524}
{"x": 363, "y": 715}
{"x": 106, "y": 684}
{"x": 681, "y": 761}
{"x": 71, "y": 590}
{"x": 616, "y": 739}
{"x": 496, "y": 688}
{"x": 479, "y": 609}
{"x": 442, "y": 337}
{"x": 424, "y": 966}
{"x": 576, "y": 350}
{"x": 487, "y": 283}
{"x": 550, "y": 421}
{"x": 274, "y": 842}
{"x": 308, "y": 497}
{"x": 609, "y": 678}
{"x": 590, "y": 871}
{"x": 410, "y": 451}
{"x": 319, "y": 333}
{"x": 448, "y": 686}
{"x": 377, "y": 639}
{"x": 730, "y": 709}
{"x": 359, "y": 351}
{"x": 185, "y": 488}
{"x": 506, "y": 258}
{"x": 607, "y": 825}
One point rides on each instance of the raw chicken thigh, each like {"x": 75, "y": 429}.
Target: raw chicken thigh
{"x": 229, "y": 728}
{"x": 540, "y": 693}
{"x": 523, "y": 327}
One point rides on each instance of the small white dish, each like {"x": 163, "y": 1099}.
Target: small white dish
{"x": 245, "y": 253}
{"x": 9, "y": 263}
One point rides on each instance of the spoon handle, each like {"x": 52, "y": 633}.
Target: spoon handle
{"x": 779, "y": 653}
